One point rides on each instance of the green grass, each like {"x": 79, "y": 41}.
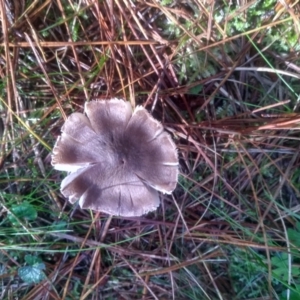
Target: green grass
{"x": 224, "y": 81}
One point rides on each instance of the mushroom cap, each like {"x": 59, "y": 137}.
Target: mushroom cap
{"x": 117, "y": 159}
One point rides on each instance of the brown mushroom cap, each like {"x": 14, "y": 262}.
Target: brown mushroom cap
{"x": 117, "y": 159}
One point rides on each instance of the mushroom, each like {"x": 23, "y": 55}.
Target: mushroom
{"x": 117, "y": 159}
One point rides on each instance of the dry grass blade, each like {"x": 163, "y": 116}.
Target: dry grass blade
{"x": 223, "y": 79}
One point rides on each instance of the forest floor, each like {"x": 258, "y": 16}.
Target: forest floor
{"x": 223, "y": 79}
